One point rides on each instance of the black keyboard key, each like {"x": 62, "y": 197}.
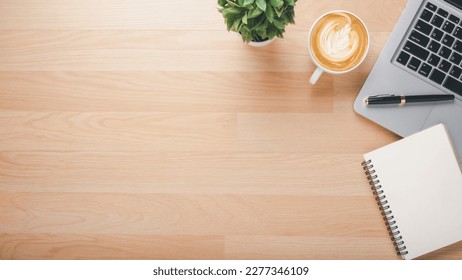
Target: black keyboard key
{"x": 419, "y": 38}
{"x": 437, "y": 76}
{"x": 414, "y": 64}
{"x": 426, "y": 15}
{"x": 434, "y": 60}
{"x": 425, "y": 70}
{"x": 437, "y": 34}
{"x": 454, "y": 19}
{"x": 445, "y": 52}
{"x": 448, "y": 40}
{"x": 431, "y": 6}
{"x": 403, "y": 58}
{"x": 455, "y": 72}
{"x": 442, "y": 12}
{"x": 423, "y": 27}
{"x": 455, "y": 58}
{"x": 458, "y": 46}
{"x": 437, "y": 21}
{"x": 453, "y": 85}
{"x": 445, "y": 66}
{"x": 458, "y": 33}
{"x": 434, "y": 46}
{"x": 416, "y": 50}
{"x": 448, "y": 27}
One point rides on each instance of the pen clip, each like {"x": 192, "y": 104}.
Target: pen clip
{"x": 383, "y": 95}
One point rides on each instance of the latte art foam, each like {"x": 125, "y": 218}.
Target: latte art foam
{"x": 336, "y": 43}
{"x": 339, "y": 41}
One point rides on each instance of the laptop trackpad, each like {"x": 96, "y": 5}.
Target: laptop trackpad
{"x": 451, "y": 115}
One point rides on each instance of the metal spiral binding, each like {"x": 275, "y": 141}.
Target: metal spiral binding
{"x": 384, "y": 208}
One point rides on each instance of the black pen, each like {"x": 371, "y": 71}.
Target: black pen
{"x": 384, "y": 99}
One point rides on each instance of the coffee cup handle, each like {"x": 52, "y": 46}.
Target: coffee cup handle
{"x": 316, "y": 75}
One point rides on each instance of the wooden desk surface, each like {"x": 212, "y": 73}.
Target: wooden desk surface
{"x": 144, "y": 130}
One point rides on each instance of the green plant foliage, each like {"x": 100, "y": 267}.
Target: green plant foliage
{"x": 257, "y": 20}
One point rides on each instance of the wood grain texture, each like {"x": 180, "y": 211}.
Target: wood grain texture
{"x": 212, "y": 173}
{"x": 302, "y": 247}
{"x": 167, "y": 51}
{"x": 39, "y": 246}
{"x": 146, "y": 91}
{"x": 143, "y": 130}
{"x": 165, "y": 15}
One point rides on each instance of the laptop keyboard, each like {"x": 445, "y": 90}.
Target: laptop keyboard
{"x": 433, "y": 49}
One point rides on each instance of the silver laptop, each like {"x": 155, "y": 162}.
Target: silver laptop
{"x": 422, "y": 56}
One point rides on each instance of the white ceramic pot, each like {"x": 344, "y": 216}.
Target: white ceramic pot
{"x": 261, "y": 44}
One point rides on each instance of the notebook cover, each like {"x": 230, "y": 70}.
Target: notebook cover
{"x": 422, "y": 183}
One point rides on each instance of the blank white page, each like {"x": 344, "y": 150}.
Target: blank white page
{"x": 422, "y": 181}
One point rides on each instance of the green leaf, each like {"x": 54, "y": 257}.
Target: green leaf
{"x": 270, "y": 14}
{"x": 222, "y": 3}
{"x": 246, "y": 35}
{"x": 279, "y": 11}
{"x": 276, "y": 3}
{"x": 272, "y": 32}
{"x": 236, "y": 25}
{"x": 248, "y": 2}
{"x": 229, "y": 24}
{"x": 288, "y": 18}
{"x": 278, "y": 24}
{"x": 261, "y": 4}
{"x": 244, "y": 19}
{"x": 231, "y": 3}
{"x": 231, "y": 11}
{"x": 225, "y": 13}
{"x": 291, "y": 2}
{"x": 262, "y": 32}
{"x": 254, "y": 13}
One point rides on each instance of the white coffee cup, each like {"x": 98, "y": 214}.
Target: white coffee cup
{"x": 338, "y": 43}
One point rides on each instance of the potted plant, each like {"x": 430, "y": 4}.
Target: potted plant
{"x": 259, "y": 22}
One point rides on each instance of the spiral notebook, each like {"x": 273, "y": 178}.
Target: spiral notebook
{"x": 417, "y": 182}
